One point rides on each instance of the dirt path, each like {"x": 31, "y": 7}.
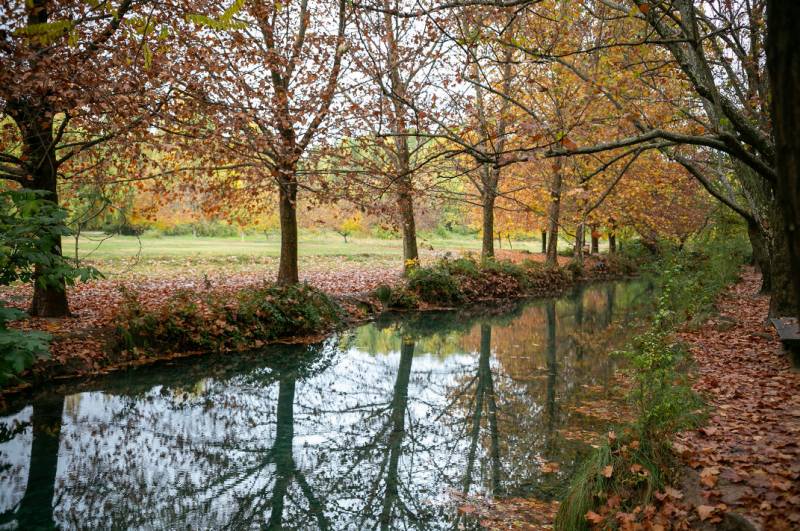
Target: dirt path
{"x": 747, "y": 458}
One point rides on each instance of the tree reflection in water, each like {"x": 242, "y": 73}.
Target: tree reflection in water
{"x": 376, "y": 429}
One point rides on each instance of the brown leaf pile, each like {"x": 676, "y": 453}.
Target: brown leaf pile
{"x": 748, "y": 456}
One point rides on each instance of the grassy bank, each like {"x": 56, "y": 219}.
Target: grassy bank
{"x": 450, "y": 283}
{"x": 633, "y": 467}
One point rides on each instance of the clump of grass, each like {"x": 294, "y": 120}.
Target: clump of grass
{"x": 207, "y": 321}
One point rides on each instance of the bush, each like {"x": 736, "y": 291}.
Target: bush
{"x": 28, "y": 226}
{"x": 384, "y": 233}
{"x": 435, "y": 285}
{"x": 203, "y": 229}
{"x": 20, "y": 349}
{"x": 192, "y": 321}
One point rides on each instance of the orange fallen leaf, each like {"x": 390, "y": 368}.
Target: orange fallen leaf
{"x": 705, "y": 511}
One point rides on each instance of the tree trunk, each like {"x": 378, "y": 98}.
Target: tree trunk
{"x": 554, "y": 214}
{"x": 761, "y": 258}
{"x": 287, "y": 268}
{"x": 487, "y": 248}
{"x": 580, "y": 234}
{"x": 783, "y": 301}
{"x": 595, "y": 241}
{"x": 406, "y": 204}
{"x": 612, "y": 243}
{"x": 49, "y": 299}
{"x": 544, "y": 242}
{"x": 783, "y": 62}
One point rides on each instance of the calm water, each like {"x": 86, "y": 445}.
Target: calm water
{"x": 385, "y": 426}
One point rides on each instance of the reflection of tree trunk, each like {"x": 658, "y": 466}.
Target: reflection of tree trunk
{"x": 609, "y": 310}
{"x": 283, "y": 457}
{"x": 485, "y": 374}
{"x": 552, "y": 368}
{"x": 36, "y": 508}
{"x": 484, "y": 390}
{"x": 578, "y": 320}
{"x": 399, "y": 405}
{"x": 282, "y": 450}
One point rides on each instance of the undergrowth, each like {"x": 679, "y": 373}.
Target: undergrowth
{"x": 207, "y": 321}
{"x": 619, "y": 479}
{"x": 451, "y": 282}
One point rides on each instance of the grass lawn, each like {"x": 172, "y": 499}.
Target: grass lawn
{"x": 311, "y": 244}
{"x": 318, "y": 250}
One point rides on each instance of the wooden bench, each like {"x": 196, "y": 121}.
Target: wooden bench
{"x": 789, "y": 332}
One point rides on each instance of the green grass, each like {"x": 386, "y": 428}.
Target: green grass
{"x": 177, "y": 255}
{"x": 311, "y": 244}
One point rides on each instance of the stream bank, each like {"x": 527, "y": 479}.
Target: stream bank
{"x": 201, "y": 320}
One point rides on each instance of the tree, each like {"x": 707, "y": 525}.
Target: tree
{"x": 783, "y": 61}
{"x": 396, "y": 55}
{"x": 262, "y": 75}
{"x": 73, "y": 75}
{"x": 723, "y": 128}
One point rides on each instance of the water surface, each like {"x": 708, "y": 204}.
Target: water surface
{"x": 386, "y": 426}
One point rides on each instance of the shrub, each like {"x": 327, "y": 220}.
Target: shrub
{"x": 396, "y": 298}
{"x": 192, "y": 321}
{"x": 28, "y": 226}
{"x": 435, "y": 285}
{"x": 20, "y": 349}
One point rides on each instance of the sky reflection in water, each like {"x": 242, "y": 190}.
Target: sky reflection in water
{"x": 374, "y": 429}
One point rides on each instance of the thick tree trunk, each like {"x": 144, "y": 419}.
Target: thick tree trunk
{"x": 544, "y": 242}
{"x": 761, "y": 255}
{"x": 783, "y": 62}
{"x": 783, "y": 300}
{"x": 287, "y": 269}
{"x": 487, "y": 248}
{"x": 554, "y": 214}
{"x": 612, "y": 243}
{"x": 50, "y": 298}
